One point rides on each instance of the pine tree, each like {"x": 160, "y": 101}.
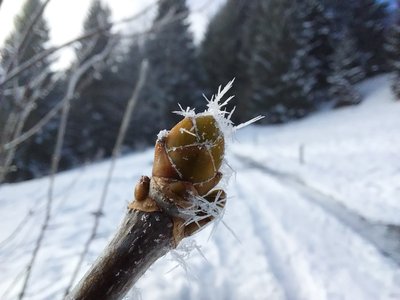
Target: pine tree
{"x": 365, "y": 20}
{"x": 175, "y": 74}
{"x": 94, "y": 117}
{"x": 36, "y": 41}
{"x": 392, "y": 47}
{"x": 225, "y": 50}
{"x": 315, "y": 45}
{"x": 30, "y": 159}
{"x": 368, "y": 27}
{"x": 278, "y": 88}
{"x": 346, "y": 72}
{"x": 143, "y": 123}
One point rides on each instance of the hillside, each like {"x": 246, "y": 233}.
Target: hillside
{"x": 313, "y": 213}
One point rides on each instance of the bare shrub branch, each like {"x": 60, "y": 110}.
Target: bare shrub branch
{"x": 90, "y": 34}
{"x": 73, "y": 82}
{"x": 25, "y": 99}
{"x": 116, "y": 152}
{"x": 25, "y": 38}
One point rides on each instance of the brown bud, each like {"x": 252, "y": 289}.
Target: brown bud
{"x": 162, "y": 166}
{"x": 142, "y": 188}
{"x": 192, "y": 151}
{"x": 205, "y": 186}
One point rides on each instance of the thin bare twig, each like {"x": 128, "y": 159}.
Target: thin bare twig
{"x": 116, "y": 152}
{"x": 91, "y": 33}
{"x": 17, "y": 229}
{"x": 31, "y": 93}
{"x": 38, "y": 208}
{"x": 39, "y": 125}
{"x": 157, "y": 26}
{"x": 55, "y": 160}
{"x": 96, "y": 31}
{"x": 24, "y": 41}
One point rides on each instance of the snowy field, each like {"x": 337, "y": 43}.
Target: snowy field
{"x": 314, "y": 207}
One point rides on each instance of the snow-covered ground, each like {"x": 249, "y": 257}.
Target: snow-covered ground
{"x": 324, "y": 228}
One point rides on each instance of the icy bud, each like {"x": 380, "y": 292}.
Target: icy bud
{"x": 191, "y": 151}
{"x": 186, "y": 168}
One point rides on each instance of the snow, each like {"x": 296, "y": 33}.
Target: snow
{"x": 312, "y": 230}
{"x": 351, "y": 153}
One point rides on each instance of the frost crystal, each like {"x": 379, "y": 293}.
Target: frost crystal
{"x": 162, "y": 134}
{"x": 216, "y": 107}
{"x": 201, "y": 207}
{"x": 182, "y": 253}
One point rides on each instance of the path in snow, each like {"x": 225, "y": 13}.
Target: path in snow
{"x": 314, "y": 252}
{"x": 290, "y": 247}
{"x": 385, "y": 237}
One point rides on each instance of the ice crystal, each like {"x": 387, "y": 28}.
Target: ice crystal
{"x": 216, "y": 107}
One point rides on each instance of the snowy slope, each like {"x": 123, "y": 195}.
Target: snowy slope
{"x": 350, "y": 153}
{"x": 327, "y": 228}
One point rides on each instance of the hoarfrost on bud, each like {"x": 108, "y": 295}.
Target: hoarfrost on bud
{"x": 203, "y": 208}
{"x": 162, "y": 134}
{"x": 216, "y": 107}
{"x": 190, "y": 169}
{"x": 182, "y": 253}
{"x": 194, "y": 149}
{"x": 189, "y": 161}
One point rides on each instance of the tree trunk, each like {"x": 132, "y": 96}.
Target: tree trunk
{"x": 123, "y": 262}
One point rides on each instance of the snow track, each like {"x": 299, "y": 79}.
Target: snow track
{"x": 313, "y": 251}
{"x": 385, "y": 237}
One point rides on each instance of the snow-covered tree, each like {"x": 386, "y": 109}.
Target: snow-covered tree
{"x": 24, "y": 100}
{"x": 365, "y": 20}
{"x": 346, "y": 72}
{"x": 143, "y": 114}
{"x": 94, "y": 120}
{"x": 368, "y": 26}
{"x": 226, "y": 48}
{"x": 280, "y": 84}
{"x": 175, "y": 74}
{"x": 315, "y": 45}
{"x": 35, "y": 42}
{"x": 393, "y": 51}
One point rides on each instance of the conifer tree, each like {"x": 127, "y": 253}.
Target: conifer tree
{"x": 392, "y": 47}
{"x": 142, "y": 123}
{"x": 346, "y": 72}
{"x": 23, "y": 43}
{"x": 94, "y": 120}
{"x": 225, "y": 50}
{"x": 315, "y": 47}
{"x": 278, "y": 89}
{"x": 12, "y": 56}
{"x": 174, "y": 70}
{"x": 368, "y": 26}
{"x": 365, "y": 20}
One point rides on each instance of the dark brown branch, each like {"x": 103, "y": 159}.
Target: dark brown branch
{"x": 123, "y": 262}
